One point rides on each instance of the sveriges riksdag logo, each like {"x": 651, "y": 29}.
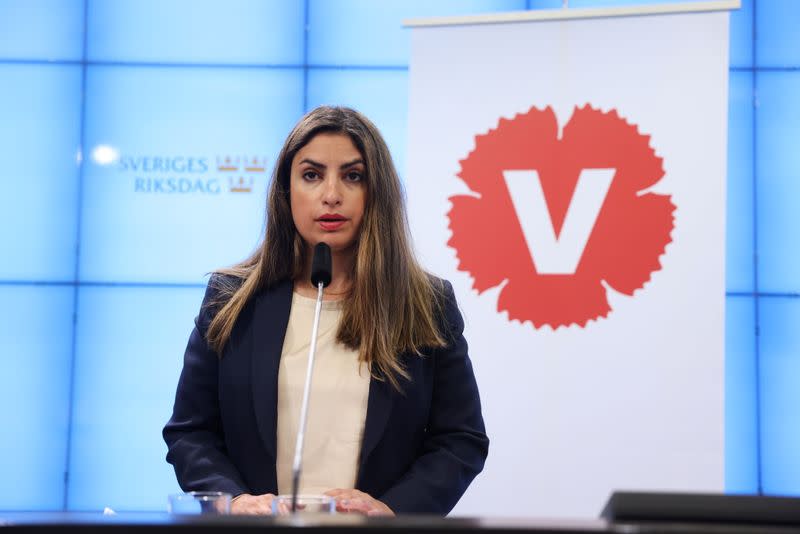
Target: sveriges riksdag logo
{"x": 186, "y": 175}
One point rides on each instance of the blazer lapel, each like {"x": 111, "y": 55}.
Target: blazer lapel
{"x": 379, "y": 406}
{"x": 271, "y": 316}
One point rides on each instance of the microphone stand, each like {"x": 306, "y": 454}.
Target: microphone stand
{"x": 321, "y": 269}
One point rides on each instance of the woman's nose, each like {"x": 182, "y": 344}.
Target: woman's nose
{"x": 332, "y": 194}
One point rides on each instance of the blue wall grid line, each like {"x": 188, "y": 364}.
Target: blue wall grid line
{"x": 757, "y": 373}
{"x": 85, "y": 283}
{"x": 76, "y": 274}
{"x": 305, "y": 56}
{"x": 256, "y": 66}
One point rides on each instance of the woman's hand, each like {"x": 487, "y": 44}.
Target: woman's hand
{"x": 252, "y": 504}
{"x": 352, "y": 500}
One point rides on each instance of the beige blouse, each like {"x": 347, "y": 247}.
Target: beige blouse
{"x": 337, "y": 406}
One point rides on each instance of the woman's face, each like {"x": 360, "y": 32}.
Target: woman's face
{"x": 327, "y": 191}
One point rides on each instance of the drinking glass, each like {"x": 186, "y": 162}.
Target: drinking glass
{"x": 306, "y": 504}
{"x": 200, "y": 503}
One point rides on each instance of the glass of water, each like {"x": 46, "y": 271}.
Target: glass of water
{"x": 306, "y": 504}
{"x": 200, "y": 503}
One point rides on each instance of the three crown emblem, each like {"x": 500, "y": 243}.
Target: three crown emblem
{"x": 241, "y": 166}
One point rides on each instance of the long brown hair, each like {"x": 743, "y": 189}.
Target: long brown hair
{"x": 393, "y": 305}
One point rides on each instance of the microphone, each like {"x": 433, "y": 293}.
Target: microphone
{"x": 320, "y": 276}
{"x": 321, "y": 265}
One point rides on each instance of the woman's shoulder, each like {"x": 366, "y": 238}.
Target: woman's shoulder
{"x": 219, "y": 290}
{"x": 223, "y": 283}
{"x": 442, "y": 289}
{"x": 445, "y": 306}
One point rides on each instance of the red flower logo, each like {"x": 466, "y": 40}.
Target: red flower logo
{"x": 560, "y": 216}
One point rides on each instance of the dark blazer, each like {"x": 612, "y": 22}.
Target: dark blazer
{"x": 421, "y": 448}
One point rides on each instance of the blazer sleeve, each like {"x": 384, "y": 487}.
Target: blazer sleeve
{"x": 194, "y": 433}
{"x": 455, "y": 445}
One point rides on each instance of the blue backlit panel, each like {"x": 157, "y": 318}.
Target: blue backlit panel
{"x": 196, "y": 31}
{"x": 40, "y": 106}
{"x": 741, "y": 22}
{"x": 778, "y": 168}
{"x": 49, "y": 30}
{"x": 177, "y": 164}
{"x": 130, "y": 348}
{"x": 381, "y": 95}
{"x": 363, "y": 32}
{"x": 741, "y": 29}
{"x": 778, "y": 43}
{"x": 741, "y": 399}
{"x": 739, "y": 227}
{"x": 780, "y": 395}
{"x": 545, "y": 4}
{"x": 36, "y": 351}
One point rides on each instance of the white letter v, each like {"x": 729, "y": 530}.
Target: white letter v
{"x": 560, "y": 254}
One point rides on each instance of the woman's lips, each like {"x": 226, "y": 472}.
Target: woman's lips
{"x": 331, "y": 223}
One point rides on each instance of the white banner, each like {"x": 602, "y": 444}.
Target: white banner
{"x": 568, "y": 176}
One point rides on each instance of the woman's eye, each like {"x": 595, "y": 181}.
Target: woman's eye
{"x": 310, "y": 175}
{"x": 354, "y": 176}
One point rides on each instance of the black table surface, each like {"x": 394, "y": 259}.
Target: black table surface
{"x": 152, "y": 523}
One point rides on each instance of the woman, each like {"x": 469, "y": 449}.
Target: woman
{"x": 395, "y": 423}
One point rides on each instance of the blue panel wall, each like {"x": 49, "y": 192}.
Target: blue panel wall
{"x": 129, "y": 346}
{"x": 39, "y": 149}
{"x": 779, "y": 369}
{"x": 48, "y": 30}
{"x": 778, "y": 41}
{"x": 741, "y": 392}
{"x": 263, "y": 32}
{"x": 741, "y": 35}
{"x": 35, "y": 361}
{"x": 371, "y": 33}
{"x": 158, "y": 204}
{"x": 133, "y": 125}
{"x": 741, "y": 22}
{"x": 777, "y": 57}
{"x": 739, "y": 260}
{"x": 778, "y": 169}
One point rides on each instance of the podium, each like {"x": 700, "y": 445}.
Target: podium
{"x": 630, "y": 507}
{"x": 624, "y": 513}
